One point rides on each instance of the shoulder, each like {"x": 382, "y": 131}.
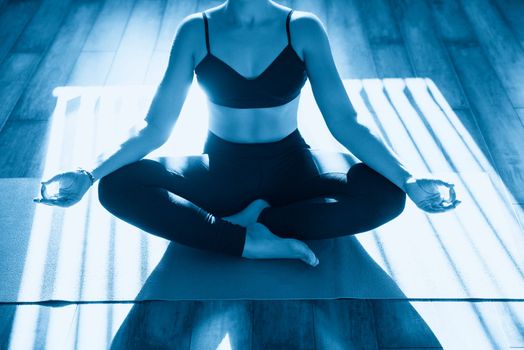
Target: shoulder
{"x": 307, "y": 30}
{"x": 306, "y": 23}
{"x": 191, "y": 26}
{"x": 308, "y": 33}
{"x": 189, "y": 35}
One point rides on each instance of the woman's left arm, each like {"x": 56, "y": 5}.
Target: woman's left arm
{"x": 341, "y": 119}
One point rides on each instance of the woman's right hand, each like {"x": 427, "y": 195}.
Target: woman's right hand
{"x": 70, "y": 188}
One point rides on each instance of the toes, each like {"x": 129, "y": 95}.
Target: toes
{"x": 260, "y": 204}
{"x": 314, "y": 262}
{"x": 305, "y": 253}
{"x": 263, "y": 203}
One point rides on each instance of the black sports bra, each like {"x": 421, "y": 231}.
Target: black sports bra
{"x": 278, "y": 84}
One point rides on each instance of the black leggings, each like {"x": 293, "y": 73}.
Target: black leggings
{"x": 185, "y": 200}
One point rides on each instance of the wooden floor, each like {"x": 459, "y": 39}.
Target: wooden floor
{"x": 302, "y": 324}
{"x": 472, "y": 50}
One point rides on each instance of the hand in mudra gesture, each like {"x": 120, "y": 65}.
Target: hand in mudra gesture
{"x": 432, "y": 195}
{"x": 64, "y": 189}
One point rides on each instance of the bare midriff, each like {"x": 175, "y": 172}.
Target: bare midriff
{"x": 252, "y": 125}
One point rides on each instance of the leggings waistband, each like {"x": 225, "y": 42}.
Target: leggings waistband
{"x": 217, "y": 145}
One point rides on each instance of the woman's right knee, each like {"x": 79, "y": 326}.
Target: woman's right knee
{"x": 108, "y": 189}
{"x": 111, "y": 186}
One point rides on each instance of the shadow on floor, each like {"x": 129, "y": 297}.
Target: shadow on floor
{"x": 276, "y": 324}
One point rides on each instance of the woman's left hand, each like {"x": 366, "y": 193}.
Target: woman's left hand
{"x": 431, "y": 194}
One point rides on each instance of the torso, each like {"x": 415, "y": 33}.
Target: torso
{"x": 253, "y": 125}
{"x": 232, "y": 45}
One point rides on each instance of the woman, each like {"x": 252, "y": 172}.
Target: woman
{"x": 255, "y": 191}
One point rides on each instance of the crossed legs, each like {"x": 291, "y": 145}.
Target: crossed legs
{"x": 187, "y": 204}
{"x": 337, "y": 204}
{"x": 170, "y": 205}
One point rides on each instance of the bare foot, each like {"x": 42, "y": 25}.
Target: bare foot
{"x": 261, "y": 243}
{"x": 249, "y": 214}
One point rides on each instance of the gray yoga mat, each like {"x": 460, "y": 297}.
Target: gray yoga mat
{"x": 82, "y": 253}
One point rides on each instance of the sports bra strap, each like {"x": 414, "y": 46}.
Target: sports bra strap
{"x": 206, "y": 29}
{"x": 287, "y": 27}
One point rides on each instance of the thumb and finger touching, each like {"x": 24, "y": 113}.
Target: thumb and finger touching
{"x": 65, "y": 196}
{"x": 429, "y": 197}
{"x": 56, "y": 177}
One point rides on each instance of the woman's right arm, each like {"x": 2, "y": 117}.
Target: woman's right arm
{"x": 166, "y": 105}
{"x": 160, "y": 120}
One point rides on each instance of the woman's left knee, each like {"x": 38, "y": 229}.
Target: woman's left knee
{"x": 391, "y": 197}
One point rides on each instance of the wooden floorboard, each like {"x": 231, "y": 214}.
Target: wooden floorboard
{"x": 513, "y": 10}
{"x": 349, "y": 43}
{"x": 272, "y": 321}
{"x": 91, "y": 68}
{"x": 40, "y": 32}
{"x": 342, "y": 324}
{"x": 391, "y": 60}
{"x": 257, "y": 324}
{"x": 319, "y": 8}
{"x": 96, "y": 59}
{"x": 138, "y": 42}
{"x": 158, "y": 325}
{"x": 15, "y": 72}
{"x": 500, "y": 46}
{"x": 495, "y": 115}
{"x": 173, "y": 15}
{"x": 451, "y": 22}
{"x": 467, "y": 118}
{"x": 109, "y": 27}
{"x": 37, "y": 102}
{"x": 381, "y": 28}
{"x": 23, "y": 148}
{"x": 455, "y": 30}
{"x": 35, "y": 326}
{"x": 26, "y": 131}
{"x": 219, "y": 323}
{"x": 389, "y": 52}
{"x": 425, "y": 51}
{"x": 399, "y": 325}
{"x": 7, "y": 316}
{"x": 14, "y": 18}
